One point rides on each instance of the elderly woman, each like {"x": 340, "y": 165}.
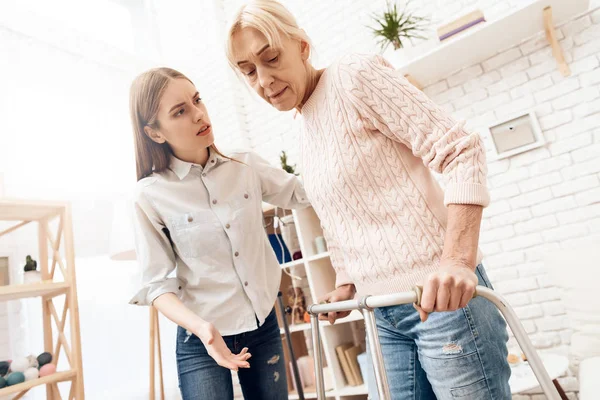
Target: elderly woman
{"x": 369, "y": 143}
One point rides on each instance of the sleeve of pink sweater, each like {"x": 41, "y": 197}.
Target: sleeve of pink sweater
{"x": 387, "y": 102}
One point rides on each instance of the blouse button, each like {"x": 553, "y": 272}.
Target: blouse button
{"x": 246, "y": 283}
{"x": 190, "y": 218}
{"x": 204, "y": 174}
{"x": 227, "y": 226}
{"x": 246, "y": 196}
{"x": 212, "y": 161}
{"x": 215, "y": 201}
{"x": 236, "y": 254}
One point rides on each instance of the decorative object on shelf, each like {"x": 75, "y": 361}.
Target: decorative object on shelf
{"x": 320, "y": 245}
{"x": 4, "y": 367}
{"x": 33, "y": 361}
{"x": 516, "y": 134}
{"x": 30, "y": 367}
{"x": 14, "y": 378}
{"x": 47, "y": 369}
{"x": 30, "y": 264}
{"x": 460, "y": 24}
{"x": 19, "y": 364}
{"x": 31, "y": 373}
{"x": 31, "y": 274}
{"x": 306, "y": 370}
{"x": 399, "y": 29}
{"x": 44, "y": 358}
{"x": 288, "y": 168}
{"x": 281, "y": 251}
{"x": 396, "y": 27}
{"x": 290, "y": 236}
{"x": 297, "y": 303}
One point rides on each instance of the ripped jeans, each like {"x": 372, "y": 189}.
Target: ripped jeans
{"x": 459, "y": 354}
{"x": 201, "y": 378}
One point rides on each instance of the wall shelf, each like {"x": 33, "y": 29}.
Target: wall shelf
{"x": 487, "y": 39}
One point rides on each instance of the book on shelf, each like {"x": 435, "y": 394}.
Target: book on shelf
{"x": 460, "y": 24}
{"x": 352, "y": 356}
{"x": 347, "y": 355}
{"x": 341, "y": 353}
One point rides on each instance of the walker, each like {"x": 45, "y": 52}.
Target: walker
{"x": 368, "y": 303}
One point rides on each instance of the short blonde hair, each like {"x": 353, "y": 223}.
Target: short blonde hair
{"x": 270, "y": 18}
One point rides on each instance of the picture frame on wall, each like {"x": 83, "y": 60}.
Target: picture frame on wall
{"x": 515, "y": 134}
{"x": 4, "y": 270}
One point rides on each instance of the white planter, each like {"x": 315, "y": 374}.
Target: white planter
{"x": 32, "y": 276}
{"x": 409, "y": 52}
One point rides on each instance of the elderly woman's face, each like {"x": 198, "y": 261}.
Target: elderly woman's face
{"x": 278, "y": 75}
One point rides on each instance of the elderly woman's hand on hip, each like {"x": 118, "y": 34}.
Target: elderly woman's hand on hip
{"x": 449, "y": 288}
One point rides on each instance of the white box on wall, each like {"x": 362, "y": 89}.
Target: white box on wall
{"x": 516, "y": 134}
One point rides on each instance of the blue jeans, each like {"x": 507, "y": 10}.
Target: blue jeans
{"x": 458, "y": 354}
{"x": 201, "y": 378}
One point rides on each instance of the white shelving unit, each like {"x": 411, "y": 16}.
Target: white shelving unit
{"x": 321, "y": 280}
{"x": 487, "y": 39}
{"x": 58, "y": 292}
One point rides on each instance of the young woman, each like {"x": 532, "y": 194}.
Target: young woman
{"x": 388, "y": 223}
{"x": 198, "y": 213}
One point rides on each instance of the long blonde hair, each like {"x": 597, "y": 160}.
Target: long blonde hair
{"x": 269, "y": 17}
{"x": 144, "y": 99}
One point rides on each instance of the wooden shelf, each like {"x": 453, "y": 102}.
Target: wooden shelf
{"x": 60, "y": 329}
{"x": 310, "y": 393}
{"x": 487, "y": 39}
{"x": 354, "y": 316}
{"x": 28, "y": 210}
{"x": 294, "y": 263}
{"x": 43, "y": 288}
{"x": 317, "y": 257}
{"x": 353, "y": 390}
{"x": 54, "y": 378}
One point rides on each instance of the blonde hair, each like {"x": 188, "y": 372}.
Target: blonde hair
{"x": 144, "y": 100}
{"x": 270, "y": 18}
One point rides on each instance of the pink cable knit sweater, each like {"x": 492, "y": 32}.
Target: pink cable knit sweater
{"x": 369, "y": 143}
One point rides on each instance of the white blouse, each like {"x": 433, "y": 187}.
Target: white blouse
{"x": 206, "y": 224}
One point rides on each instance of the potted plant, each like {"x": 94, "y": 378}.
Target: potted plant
{"x": 287, "y": 168}
{"x": 398, "y": 28}
{"x": 30, "y": 272}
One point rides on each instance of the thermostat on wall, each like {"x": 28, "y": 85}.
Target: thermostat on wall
{"x": 515, "y": 135}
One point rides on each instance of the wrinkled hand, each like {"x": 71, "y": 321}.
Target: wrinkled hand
{"x": 218, "y": 350}
{"x": 342, "y": 293}
{"x": 449, "y": 288}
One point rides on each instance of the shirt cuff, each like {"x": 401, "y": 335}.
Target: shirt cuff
{"x": 147, "y": 295}
{"x": 467, "y": 193}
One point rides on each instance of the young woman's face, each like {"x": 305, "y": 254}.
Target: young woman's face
{"x": 183, "y": 121}
{"x": 278, "y": 75}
